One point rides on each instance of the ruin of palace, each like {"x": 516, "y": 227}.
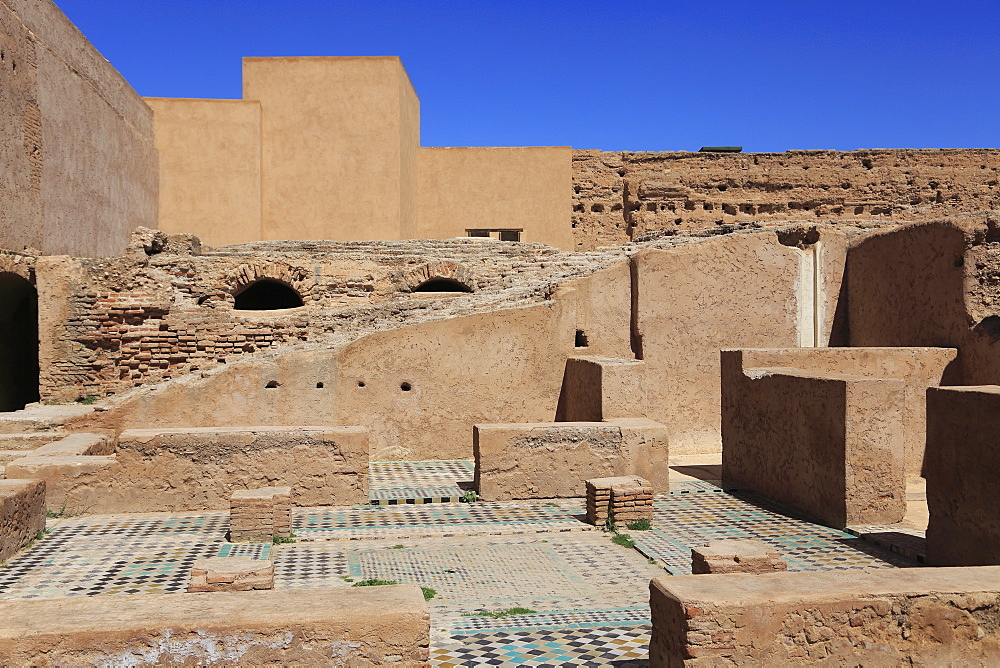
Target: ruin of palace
{"x": 563, "y": 405}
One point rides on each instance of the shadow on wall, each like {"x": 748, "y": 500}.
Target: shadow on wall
{"x": 18, "y": 342}
{"x": 908, "y": 287}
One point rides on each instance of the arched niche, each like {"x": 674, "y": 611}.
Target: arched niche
{"x": 267, "y": 295}
{"x": 18, "y": 342}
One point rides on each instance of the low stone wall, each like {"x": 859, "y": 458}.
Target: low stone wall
{"x": 76, "y": 445}
{"x": 260, "y": 515}
{"x": 829, "y": 445}
{"x": 69, "y": 480}
{"x": 923, "y": 616}
{"x": 602, "y": 388}
{"x": 554, "y": 459}
{"x": 22, "y": 514}
{"x": 963, "y": 466}
{"x": 918, "y": 368}
{"x": 200, "y": 468}
{"x": 367, "y": 626}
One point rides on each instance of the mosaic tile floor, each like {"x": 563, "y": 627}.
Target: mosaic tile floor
{"x": 117, "y": 555}
{"x": 445, "y": 481}
{"x": 437, "y": 520}
{"x": 682, "y": 521}
{"x": 590, "y": 596}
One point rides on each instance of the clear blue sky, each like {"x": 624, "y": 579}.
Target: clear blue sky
{"x": 667, "y": 75}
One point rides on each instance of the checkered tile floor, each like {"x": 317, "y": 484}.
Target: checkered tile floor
{"x": 436, "y": 520}
{"x": 445, "y": 481}
{"x": 682, "y": 521}
{"x": 591, "y": 596}
{"x": 615, "y": 646}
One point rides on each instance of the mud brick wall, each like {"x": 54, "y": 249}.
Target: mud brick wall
{"x": 22, "y": 514}
{"x": 927, "y": 616}
{"x": 161, "y": 310}
{"x": 618, "y": 196}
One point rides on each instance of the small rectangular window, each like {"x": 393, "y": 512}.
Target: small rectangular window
{"x": 478, "y": 233}
{"x": 510, "y": 235}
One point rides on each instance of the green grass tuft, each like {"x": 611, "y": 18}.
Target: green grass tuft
{"x": 281, "y": 540}
{"x": 624, "y": 540}
{"x": 374, "y": 582}
{"x": 640, "y": 525}
{"x": 500, "y": 613}
{"x": 428, "y": 593}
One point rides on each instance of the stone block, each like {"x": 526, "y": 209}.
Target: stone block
{"x": 875, "y": 617}
{"x": 736, "y": 556}
{"x": 602, "y": 388}
{"x": 830, "y": 445}
{"x": 259, "y": 515}
{"x": 547, "y": 460}
{"x": 199, "y": 468}
{"x": 918, "y": 368}
{"x": 963, "y": 476}
{"x": 67, "y": 479}
{"x": 231, "y": 574}
{"x": 77, "y": 445}
{"x": 362, "y": 626}
{"x": 22, "y": 514}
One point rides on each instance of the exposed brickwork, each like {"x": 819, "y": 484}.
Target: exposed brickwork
{"x": 624, "y": 498}
{"x": 622, "y": 195}
{"x": 259, "y": 515}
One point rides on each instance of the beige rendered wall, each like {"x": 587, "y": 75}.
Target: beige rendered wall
{"x": 526, "y": 188}
{"x": 209, "y": 168}
{"x": 76, "y": 142}
{"x": 695, "y": 300}
{"x": 334, "y": 135}
{"x": 918, "y": 368}
{"x": 963, "y": 466}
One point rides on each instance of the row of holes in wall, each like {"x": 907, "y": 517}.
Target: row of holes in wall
{"x": 272, "y": 384}
{"x": 271, "y": 295}
{"x": 579, "y": 341}
{"x": 733, "y": 209}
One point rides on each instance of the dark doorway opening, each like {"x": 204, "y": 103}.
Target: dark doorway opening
{"x": 267, "y": 295}
{"x": 18, "y": 342}
{"x": 442, "y": 285}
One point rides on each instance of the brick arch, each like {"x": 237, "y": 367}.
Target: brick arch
{"x": 295, "y": 277}
{"x": 15, "y": 263}
{"x": 410, "y": 279}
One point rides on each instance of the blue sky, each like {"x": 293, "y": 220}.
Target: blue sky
{"x": 668, "y": 75}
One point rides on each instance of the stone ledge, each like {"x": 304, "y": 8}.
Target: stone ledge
{"x": 22, "y": 514}
{"x": 366, "y": 626}
{"x": 937, "y": 616}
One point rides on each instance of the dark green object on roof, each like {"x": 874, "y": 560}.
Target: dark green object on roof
{"x": 720, "y": 149}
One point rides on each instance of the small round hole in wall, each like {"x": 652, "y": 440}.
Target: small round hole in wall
{"x": 271, "y": 384}
{"x": 405, "y": 387}
{"x": 319, "y": 386}
{"x": 361, "y": 383}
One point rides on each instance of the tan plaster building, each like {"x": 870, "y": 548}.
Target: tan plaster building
{"x": 329, "y": 148}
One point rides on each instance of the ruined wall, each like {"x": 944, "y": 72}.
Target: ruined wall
{"x": 209, "y": 168}
{"x": 520, "y": 188}
{"x": 622, "y": 195}
{"x": 931, "y": 284}
{"x": 76, "y": 142}
{"x": 136, "y": 319}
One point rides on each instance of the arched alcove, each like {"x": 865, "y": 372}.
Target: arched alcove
{"x": 267, "y": 295}
{"x": 442, "y": 285}
{"x": 18, "y": 342}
